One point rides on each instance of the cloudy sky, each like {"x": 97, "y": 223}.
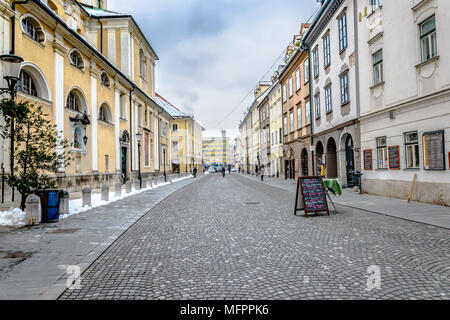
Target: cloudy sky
{"x": 213, "y": 52}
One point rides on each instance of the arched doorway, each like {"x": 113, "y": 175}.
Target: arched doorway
{"x": 124, "y": 145}
{"x": 332, "y": 170}
{"x": 319, "y": 156}
{"x": 350, "y": 161}
{"x": 304, "y": 159}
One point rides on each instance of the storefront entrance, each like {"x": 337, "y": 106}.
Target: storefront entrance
{"x": 290, "y": 169}
{"x": 350, "y": 161}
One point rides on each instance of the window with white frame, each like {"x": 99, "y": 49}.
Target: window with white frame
{"x": 291, "y": 87}
{"x": 284, "y": 93}
{"x": 308, "y": 112}
{"x": 299, "y": 117}
{"x": 306, "y": 71}
{"x": 428, "y": 46}
{"x": 344, "y": 88}
{"x": 33, "y": 29}
{"x": 142, "y": 64}
{"x": 297, "y": 79}
{"x": 377, "y": 67}
{"x": 412, "y": 150}
{"x": 291, "y": 122}
{"x": 326, "y": 51}
{"x": 316, "y": 62}
{"x": 26, "y": 84}
{"x": 343, "y": 32}
{"x": 76, "y": 60}
{"x": 328, "y": 103}
{"x": 140, "y": 122}
{"x": 285, "y": 126}
{"x": 73, "y": 102}
{"x": 123, "y": 107}
{"x": 382, "y": 153}
{"x": 317, "y": 105}
{"x": 375, "y": 4}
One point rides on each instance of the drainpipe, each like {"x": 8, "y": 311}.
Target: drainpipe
{"x": 131, "y": 129}
{"x": 308, "y": 50}
{"x": 13, "y": 25}
{"x": 101, "y": 35}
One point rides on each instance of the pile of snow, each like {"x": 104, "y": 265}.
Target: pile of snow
{"x": 12, "y": 218}
{"x": 16, "y": 217}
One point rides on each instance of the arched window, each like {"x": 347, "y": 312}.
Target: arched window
{"x": 32, "y": 28}
{"x": 26, "y": 84}
{"x": 104, "y": 114}
{"x": 76, "y": 60}
{"x": 104, "y": 79}
{"x": 143, "y": 64}
{"x": 73, "y": 102}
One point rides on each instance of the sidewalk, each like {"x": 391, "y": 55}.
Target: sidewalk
{"x": 34, "y": 261}
{"x": 415, "y": 211}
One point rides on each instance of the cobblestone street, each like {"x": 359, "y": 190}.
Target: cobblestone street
{"x": 235, "y": 238}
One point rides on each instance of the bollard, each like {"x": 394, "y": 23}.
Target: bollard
{"x": 128, "y": 187}
{"x": 118, "y": 189}
{"x": 87, "y": 200}
{"x": 137, "y": 185}
{"x": 63, "y": 203}
{"x": 144, "y": 183}
{"x": 32, "y": 210}
{"x": 105, "y": 192}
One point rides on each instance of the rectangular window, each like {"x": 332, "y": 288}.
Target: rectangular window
{"x": 328, "y": 103}
{"x": 280, "y": 137}
{"x": 412, "y": 150}
{"x": 308, "y": 112}
{"x": 285, "y": 126}
{"x": 344, "y": 88}
{"x": 433, "y": 150}
{"x": 140, "y": 116}
{"x": 343, "y": 32}
{"x": 146, "y": 150}
{"x": 123, "y": 107}
{"x": 316, "y": 62}
{"x": 284, "y": 93}
{"x": 375, "y": 4}
{"x": 291, "y": 122}
{"x": 175, "y": 128}
{"x": 382, "y": 153}
{"x": 377, "y": 67}
{"x": 306, "y": 70}
{"x": 326, "y": 51}
{"x": 299, "y": 117}
{"x": 428, "y": 46}
{"x": 297, "y": 79}
{"x": 317, "y": 105}
{"x": 291, "y": 91}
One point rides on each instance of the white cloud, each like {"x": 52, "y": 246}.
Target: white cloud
{"x": 213, "y": 53}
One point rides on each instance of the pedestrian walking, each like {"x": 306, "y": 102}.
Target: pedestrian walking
{"x": 257, "y": 170}
{"x": 195, "y": 172}
{"x": 223, "y": 172}
{"x": 262, "y": 173}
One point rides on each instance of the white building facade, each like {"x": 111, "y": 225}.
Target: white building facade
{"x": 331, "y": 41}
{"x": 404, "y": 52}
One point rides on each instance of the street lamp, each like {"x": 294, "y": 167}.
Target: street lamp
{"x": 11, "y": 65}
{"x": 139, "y": 139}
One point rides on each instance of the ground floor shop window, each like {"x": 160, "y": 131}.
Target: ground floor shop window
{"x": 412, "y": 150}
{"x": 146, "y": 150}
{"x": 433, "y": 150}
{"x": 382, "y": 153}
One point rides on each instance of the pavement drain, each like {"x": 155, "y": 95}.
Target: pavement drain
{"x": 252, "y": 203}
{"x": 64, "y": 231}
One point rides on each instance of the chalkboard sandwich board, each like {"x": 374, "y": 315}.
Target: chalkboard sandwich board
{"x": 394, "y": 158}
{"x": 311, "y": 196}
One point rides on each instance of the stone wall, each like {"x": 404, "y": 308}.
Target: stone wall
{"x": 433, "y": 193}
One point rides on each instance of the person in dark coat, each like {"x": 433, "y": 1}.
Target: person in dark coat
{"x": 223, "y": 172}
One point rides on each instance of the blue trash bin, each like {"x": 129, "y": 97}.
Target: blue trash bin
{"x": 49, "y": 205}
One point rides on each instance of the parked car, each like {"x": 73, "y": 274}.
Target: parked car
{"x": 212, "y": 170}
{"x": 233, "y": 169}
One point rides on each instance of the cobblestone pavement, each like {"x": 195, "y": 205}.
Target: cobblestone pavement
{"x": 233, "y": 238}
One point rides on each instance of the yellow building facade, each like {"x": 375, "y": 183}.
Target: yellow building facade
{"x": 186, "y": 139}
{"x": 93, "y": 71}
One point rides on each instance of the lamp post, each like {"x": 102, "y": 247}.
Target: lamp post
{"x": 139, "y": 139}
{"x": 11, "y": 65}
{"x": 164, "y": 156}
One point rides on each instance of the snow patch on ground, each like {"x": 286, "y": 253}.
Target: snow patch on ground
{"x": 16, "y": 217}
{"x": 12, "y": 218}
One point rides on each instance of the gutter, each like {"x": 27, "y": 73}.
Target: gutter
{"x": 13, "y": 25}
{"x": 101, "y": 35}
{"x": 131, "y": 128}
